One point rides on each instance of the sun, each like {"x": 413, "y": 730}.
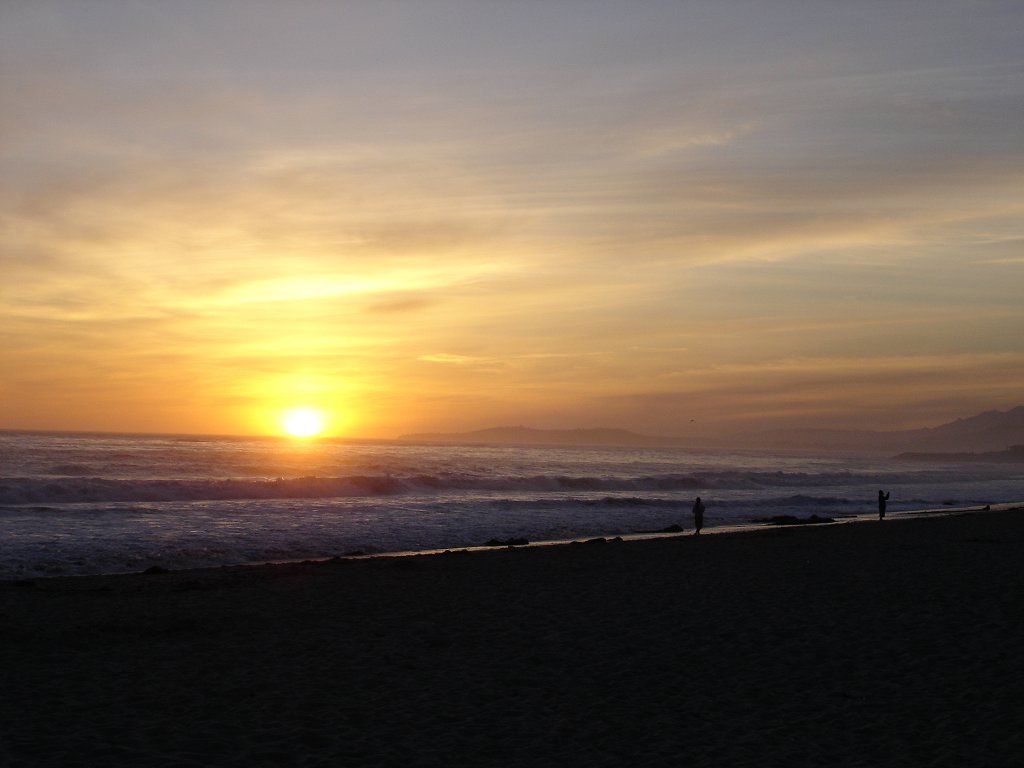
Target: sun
{"x": 303, "y": 422}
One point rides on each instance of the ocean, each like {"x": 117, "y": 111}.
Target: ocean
{"x": 73, "y": 504}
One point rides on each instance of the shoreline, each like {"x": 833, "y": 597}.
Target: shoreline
{"x": 719, "y": 530}
{"x": 885, "y": 645}
{"x": 713, "y": 530}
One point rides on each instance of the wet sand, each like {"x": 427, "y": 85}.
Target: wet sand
{"x": 871, "y": 644}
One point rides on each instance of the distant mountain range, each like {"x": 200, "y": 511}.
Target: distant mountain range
{"x": 989, "y": 431}
{"x": 992, "y": 431}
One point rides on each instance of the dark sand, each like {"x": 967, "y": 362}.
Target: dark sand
{"x": 870, "y": 644}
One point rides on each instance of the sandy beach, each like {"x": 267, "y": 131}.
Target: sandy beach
{"x": 869, "y": 644}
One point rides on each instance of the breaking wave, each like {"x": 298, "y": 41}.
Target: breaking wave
{"x": 100, "y": 489}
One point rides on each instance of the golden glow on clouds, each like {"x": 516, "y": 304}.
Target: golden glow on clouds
{"x": 795, "y": 221}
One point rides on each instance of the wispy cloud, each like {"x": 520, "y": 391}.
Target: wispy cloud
{"x": 460, "y": 211}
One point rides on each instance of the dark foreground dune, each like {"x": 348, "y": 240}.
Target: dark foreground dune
{"x": 873, "y": 644}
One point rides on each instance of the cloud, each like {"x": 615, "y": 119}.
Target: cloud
{"x": 867, "y": 393}
{"x": 401, "y": 303}
{"x": 557, "y": 208}
{"x": 445, "y": 358}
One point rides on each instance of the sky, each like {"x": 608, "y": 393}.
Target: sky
{"x": 680, "y": 218}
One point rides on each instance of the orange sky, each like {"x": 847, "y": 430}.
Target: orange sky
{"x": 677, "y": 218}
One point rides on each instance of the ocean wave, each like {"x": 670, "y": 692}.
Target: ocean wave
{"x": 98, "y": 489}
{"x": 801, "y": 500}
{"x": 72, "y": 470}
{"x": 74, "y": 488}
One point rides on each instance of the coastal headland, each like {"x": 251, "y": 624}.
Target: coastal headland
{"x": 875, "y": 644}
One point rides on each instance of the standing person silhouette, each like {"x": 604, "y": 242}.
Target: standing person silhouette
{"x": 882, "y": 498}
{"x": 698, "y": 515}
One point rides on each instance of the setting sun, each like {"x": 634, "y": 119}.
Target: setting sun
{"x": 303, "y": 422}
